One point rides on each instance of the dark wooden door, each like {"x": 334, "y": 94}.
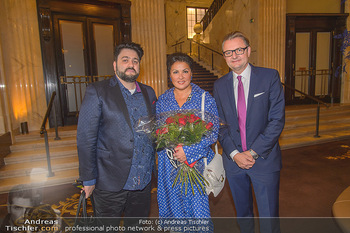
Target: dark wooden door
{"x": 77, "y": 39}
{"x": 84, "y": 49}
{"x": 313, "y": 57}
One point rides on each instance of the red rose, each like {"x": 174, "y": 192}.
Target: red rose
{"x": 164, "y": 130}
{"x": 157, "y": 131}
{"x": 192, "y": 118}
{"x": 209, "y": 126}
{"x": 169, "y": 120}
{"x": 182, "y": 121}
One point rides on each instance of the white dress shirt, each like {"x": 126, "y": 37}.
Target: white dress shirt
{"x": 246, "y": 82}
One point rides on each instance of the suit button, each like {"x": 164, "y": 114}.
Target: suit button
{"x": 239, "y": 145}
{"x": 237, "y": 130}
{"x": 131, "y": 140}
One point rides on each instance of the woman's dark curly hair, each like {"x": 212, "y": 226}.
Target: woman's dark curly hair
{"x": 182, "y": 57}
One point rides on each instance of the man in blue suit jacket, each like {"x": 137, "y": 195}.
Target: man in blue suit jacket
{"x": 258, "y": 164}
{"x": 115, "y": 162}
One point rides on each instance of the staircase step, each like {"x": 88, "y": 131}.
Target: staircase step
{"x": 311, "y": 130}
{"x": 307, "y": 140}
{"x": 300, "y": 122}
{"x": 38, "y": 167}
{"x": 40, "y": 154}
{"x": 40, "y": 144}
{"x": 67, "y": 131}
{"x": 40, "y": 180}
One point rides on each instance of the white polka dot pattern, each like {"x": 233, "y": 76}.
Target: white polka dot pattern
{"x": 172, "y": 203}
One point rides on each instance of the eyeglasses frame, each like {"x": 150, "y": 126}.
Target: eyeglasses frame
{"x": 235, "y": 51}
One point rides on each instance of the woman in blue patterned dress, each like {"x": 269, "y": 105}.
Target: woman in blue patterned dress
{"x": 172, "y": 202}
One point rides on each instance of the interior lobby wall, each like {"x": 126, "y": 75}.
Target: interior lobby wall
{"x": 22, "y": 62}
{"x": 313, "y": 6}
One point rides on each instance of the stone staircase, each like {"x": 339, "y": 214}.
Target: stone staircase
{"x": 300, "y": 126}
{"x": 26, "y": 164}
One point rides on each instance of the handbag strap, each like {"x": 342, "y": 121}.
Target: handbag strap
{"x": 205, "y": 159}
{"x": 216, "y": 144}
{"x": 203, "y": 105}
{"x": 83, "y": 205}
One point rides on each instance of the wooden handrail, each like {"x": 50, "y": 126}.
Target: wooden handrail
{"x": 306, "y": 95}
{"x": 207, "y": 47}
{"x": 181, "y": 42}
{"x": 48, "y": 110}
{"x": 318, "y": 107}
{"x": 43, "y": 131}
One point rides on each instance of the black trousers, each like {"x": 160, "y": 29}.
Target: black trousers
{"x": 123, "y": 203}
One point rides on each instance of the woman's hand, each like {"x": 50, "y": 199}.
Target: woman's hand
{"x": 180, "y": 154}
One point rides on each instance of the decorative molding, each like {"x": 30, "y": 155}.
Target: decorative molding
{"x": 46, "y": 26}
{"x": 126, "y": 23}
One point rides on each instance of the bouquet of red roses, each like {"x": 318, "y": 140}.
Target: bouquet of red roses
{"x": 184, "y": 127}
{"x": 181, "y": 128}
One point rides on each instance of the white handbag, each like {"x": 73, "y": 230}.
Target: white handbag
{"x": 214, "y": 172}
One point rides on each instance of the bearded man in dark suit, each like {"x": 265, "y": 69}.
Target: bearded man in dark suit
{"x": 115, "y": 162}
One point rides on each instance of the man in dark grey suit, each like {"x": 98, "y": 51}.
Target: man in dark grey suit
{"x": 251, "y": 100}
{"x": 115, "y": 162}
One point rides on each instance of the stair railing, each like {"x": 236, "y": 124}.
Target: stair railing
{"x": 318, "y": 106}
{"x": 43, "y": 131}
{"x": 209, "y": 15}
{"x": 176, "y": 45}
{"x": 205, "y": 47}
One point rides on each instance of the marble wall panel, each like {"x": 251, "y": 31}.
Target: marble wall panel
{"x": 22, "y": 61}
{"x": 148, "y": 29}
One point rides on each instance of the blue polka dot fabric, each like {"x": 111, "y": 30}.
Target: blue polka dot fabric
{"x": 172, "y": 202}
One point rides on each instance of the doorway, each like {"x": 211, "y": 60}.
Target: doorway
{"x": 77, "y": 40}
{"x": 84, "y": 54}
{"x": 313, "y": 56}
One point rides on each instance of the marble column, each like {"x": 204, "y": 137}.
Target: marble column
{"x": 148, "y": 29}
{"x": 22, "y": 64}
{"x": 272, "y": 31}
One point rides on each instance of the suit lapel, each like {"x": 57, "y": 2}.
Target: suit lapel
{"x": 120, "y": 100}
{"x": 231, "y": 94}
{"x": 146, "y": 97}
{"x": 252, "y": 89}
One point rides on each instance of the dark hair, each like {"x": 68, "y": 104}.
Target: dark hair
{"x": 235, "y": 34}
{"x": 128, "y": 45}
{"x": 24, "y": 191}
{"x": 172, "y": 58}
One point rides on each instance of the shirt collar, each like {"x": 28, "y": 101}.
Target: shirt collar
{"x": 245, "y": 74}
{"x": 138, "y": 89}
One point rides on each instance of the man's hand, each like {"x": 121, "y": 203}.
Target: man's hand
{"x": 244, "y": 160}
{"x": 88, "y": 190}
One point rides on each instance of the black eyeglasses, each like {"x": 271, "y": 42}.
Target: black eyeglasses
{"x": 239, "y": 51}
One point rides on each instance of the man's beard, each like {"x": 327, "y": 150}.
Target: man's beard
{"x": 127, "y": 78}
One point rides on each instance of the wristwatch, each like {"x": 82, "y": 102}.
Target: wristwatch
{"x": 255, "y": 155}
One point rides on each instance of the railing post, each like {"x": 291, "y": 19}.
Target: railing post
{"x": 212, "y": 60}
{"x": 56, "y": 127}
{"x": 317, "y": 120}
{"x": 50, "y": 173}
{"x": 199, "y": 53}
{"x": 190, "y": 47}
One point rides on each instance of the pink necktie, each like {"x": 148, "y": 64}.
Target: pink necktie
{"x": 242, "y": 113}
